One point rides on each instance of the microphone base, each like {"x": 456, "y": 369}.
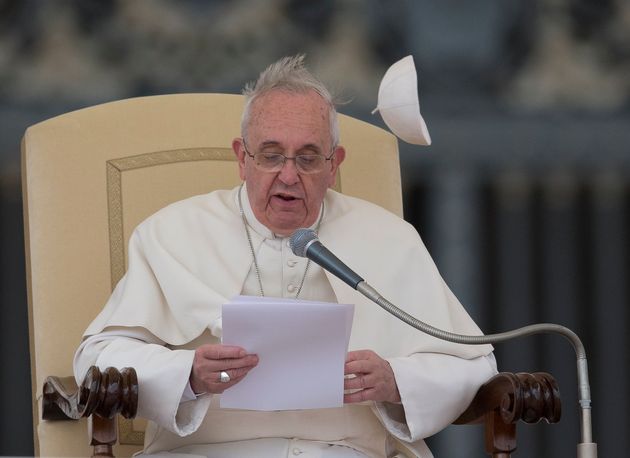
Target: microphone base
{"x": 587, "y": 450}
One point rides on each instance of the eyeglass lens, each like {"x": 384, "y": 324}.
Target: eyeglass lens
{"x": 305, "y": 163}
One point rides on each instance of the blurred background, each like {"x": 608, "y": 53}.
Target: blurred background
{"x": 523, "y": 199}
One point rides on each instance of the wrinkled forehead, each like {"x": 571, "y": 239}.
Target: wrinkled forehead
{"x": 289, "y": 113}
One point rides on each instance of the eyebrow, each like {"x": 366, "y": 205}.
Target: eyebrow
{"x": 269, "y": 143}
{"x": 308, "y": 146}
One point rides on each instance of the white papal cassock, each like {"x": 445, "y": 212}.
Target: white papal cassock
{"x": 189, "y": 258}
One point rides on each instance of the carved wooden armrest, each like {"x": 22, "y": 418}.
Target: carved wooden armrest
{"x": 507, "y": 398}
{"x": 102, "y": 396}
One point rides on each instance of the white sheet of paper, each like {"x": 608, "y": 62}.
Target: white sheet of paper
{"x": 301, "y": 348}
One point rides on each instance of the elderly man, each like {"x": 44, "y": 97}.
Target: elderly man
{"x": 164, "y": 317}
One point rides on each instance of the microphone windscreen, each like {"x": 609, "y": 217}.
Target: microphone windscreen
{"x": 300, "y": 239}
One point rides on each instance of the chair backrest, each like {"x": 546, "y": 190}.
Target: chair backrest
{"x": 90, "y": 176}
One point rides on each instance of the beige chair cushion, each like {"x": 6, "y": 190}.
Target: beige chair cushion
{"x": 90, "y": 176}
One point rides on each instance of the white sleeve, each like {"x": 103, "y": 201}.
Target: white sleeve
{"x": 434, "y": 390}
{"x": 163, "y": 375}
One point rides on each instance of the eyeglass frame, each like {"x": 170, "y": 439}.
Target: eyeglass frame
{"x": 287, "y": 158}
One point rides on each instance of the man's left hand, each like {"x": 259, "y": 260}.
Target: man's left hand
{"x": 373, "y": 378}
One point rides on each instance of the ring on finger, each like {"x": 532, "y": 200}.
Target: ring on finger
{"x": 224, "y": 377}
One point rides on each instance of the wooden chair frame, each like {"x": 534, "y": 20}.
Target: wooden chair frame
{"x": 500, "y": 403}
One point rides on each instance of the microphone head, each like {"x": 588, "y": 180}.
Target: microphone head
{"x": 300, "y": 240}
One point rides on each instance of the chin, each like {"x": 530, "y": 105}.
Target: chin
{"x": 286, "y": 226}
{"x": 285, "y": 231}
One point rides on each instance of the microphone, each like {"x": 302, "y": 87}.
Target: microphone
{"x": 304, "y": 243}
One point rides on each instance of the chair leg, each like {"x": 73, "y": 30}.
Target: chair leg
{"x": 500, "y": 437}
{"x": 104, "y": 435}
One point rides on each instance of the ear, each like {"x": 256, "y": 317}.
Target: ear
{"x": 239, "y": 151}
{"x": 337, "y": 159}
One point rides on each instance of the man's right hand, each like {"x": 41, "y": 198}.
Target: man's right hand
{"x": 211, "y": 360}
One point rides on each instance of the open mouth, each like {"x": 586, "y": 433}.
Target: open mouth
{"x": 284, "y": 201}
{"x": 286, "y": 197}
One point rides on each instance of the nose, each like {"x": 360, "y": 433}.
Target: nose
{"x": 288, "y": 173}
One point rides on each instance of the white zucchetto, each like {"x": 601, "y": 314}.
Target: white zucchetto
{"x": 399, "y": 105}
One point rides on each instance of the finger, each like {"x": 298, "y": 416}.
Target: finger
{"x": 232, "y": 373}
{"x": 221, "y": 351}
{"x": 360, "y": 382}
{"x": 209, "y": 371}
{"x": 357, "y": 355}
{"x": 205, "y": 372}
{"x": 216, "y": 386}
{"x": 360, "y": 396}
{"x": 218, "y": 365}
{"x": 359, "y": 367}
{"x": 213, "y": 384}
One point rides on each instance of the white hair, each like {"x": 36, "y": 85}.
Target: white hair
{"x": 288, "y": 74}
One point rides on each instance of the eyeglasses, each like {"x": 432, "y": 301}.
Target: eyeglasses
{"x": 269, "y": 161}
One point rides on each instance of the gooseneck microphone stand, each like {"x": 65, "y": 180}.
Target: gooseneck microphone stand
{"x": 304, "y": 243}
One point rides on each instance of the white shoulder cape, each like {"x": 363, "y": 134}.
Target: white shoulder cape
{"x": 189, "y": 258}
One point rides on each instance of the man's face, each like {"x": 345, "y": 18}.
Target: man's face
{"x": 292, "y": 124}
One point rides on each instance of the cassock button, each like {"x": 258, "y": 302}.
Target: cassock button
{"x": 297, "y": 451}
{"x": 291, "y": 262}
{"x": 291, "y": 288}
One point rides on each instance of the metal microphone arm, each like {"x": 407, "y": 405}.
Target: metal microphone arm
{"x": 304, "y": 242}
{"x": 586, "y": 448}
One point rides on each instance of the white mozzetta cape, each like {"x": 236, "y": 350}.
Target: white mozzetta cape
{"x": 189, "y": 258}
